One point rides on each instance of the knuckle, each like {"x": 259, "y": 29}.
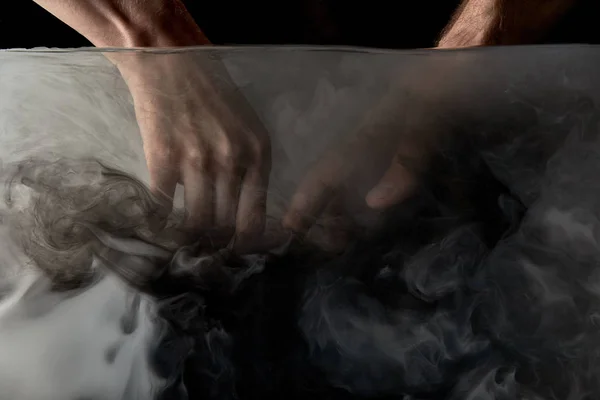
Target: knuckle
{"x": 197, "y": 158}
{"x": 229, "y": 156}
{"x": 259, "y": 148}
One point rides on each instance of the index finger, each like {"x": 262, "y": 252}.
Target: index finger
{"x": 252, "y": 205}
{"x": 314, "y": 193}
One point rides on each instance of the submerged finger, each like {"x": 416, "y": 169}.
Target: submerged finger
{"x": 252, "y": 205}
{"x": 397, "y": 184}
{"x": 227, "y": 191}
{"x": 198, "y": 194}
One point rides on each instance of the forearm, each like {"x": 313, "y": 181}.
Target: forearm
{"x": 128, "y": 23}
{"x": 502, "y": 22}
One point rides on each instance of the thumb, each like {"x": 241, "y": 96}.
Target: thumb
{"x": 396, "y": 185}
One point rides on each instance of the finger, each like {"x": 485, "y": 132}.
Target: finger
{"x": 198, "y": 193}
{"x": 227, "y": 190}
{"x": 397, "y": 184}
{"x": 163, "y": 181}
{"x": 313, "y": 194}
{"x": 252, "y": 206}
{"x": 332, "y": 230}
{"x": 164, "y": 176}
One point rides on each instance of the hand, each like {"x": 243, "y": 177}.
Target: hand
{"x": 195, "y": 131}
{"x": 198, "y": 130}
{"x": 389, "y": 152}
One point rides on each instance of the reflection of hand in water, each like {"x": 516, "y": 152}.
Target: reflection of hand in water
{"x": 393, "y": 146}
{"x": 199, "y": 131}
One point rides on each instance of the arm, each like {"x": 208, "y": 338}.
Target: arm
{"x": 502, "y": 22}
{"x": 129, "y": 23}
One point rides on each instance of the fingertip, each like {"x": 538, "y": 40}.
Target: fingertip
{"x": 250, "y": 230}
{"x": 163, "y": 185}
{"x": 330, "y": 239}
{"x": 312, "y": 195}
{"x": 306, "y": 204}
{"x": 162, "y": 197}
{"x": 378, "y": 198}
{"x": 253, "y": 224}
{"x": 388, "y": 194}
{"x": 293, "y": 221}
{"x": 396, "y": 184}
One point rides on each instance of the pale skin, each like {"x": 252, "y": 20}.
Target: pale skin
{"x": 195, "y": 131}
{"x": 222, "y": 155}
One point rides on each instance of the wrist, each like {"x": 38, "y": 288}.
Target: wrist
{"x": 129, "y": 23}
{"x": 164, "y": 30}
{"x": 160, "y": 24}
{"x": 157, "y": 27}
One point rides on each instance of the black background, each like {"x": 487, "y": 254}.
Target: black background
{"x": 374, "y": 23}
